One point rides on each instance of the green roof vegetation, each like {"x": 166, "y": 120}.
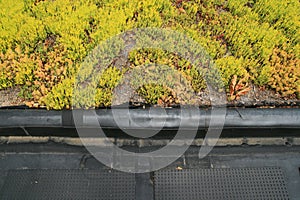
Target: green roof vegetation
{"x": 43, "y": 43}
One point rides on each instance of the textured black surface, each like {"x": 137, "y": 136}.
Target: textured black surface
{"x": 214, "y": 184}
{"x": 62, "y": 159}
{"x": 68, "y": 184}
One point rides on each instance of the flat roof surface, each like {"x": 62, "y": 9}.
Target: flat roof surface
{"x": 60, "y": 171}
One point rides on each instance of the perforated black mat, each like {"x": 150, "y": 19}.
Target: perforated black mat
{"x": 68, "y": 184}
{"x": 206, "y": 184}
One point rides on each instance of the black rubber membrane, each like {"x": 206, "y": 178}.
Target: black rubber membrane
{"x": 239, "y": 122}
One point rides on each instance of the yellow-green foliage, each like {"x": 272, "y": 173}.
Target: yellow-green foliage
{"x": 282, "y": 15}
{"x": 230, "y": 66}
{"x": 153, "y": 93}
{"x": 44, "y": 42}
{"x": 61, "y": 95}
{"x": 18, "y": 26}
{"x": 159, "y": 57}
{"x": 108, "y": 81}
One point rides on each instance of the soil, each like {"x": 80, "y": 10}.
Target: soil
{"x": 10, "y": 97}
{"x": 261, "y": 97}
{"x": 256, "y": 97}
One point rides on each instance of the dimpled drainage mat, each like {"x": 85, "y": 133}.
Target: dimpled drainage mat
{"x": 68, "y": 184}
{"x": 206, "y": 184}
